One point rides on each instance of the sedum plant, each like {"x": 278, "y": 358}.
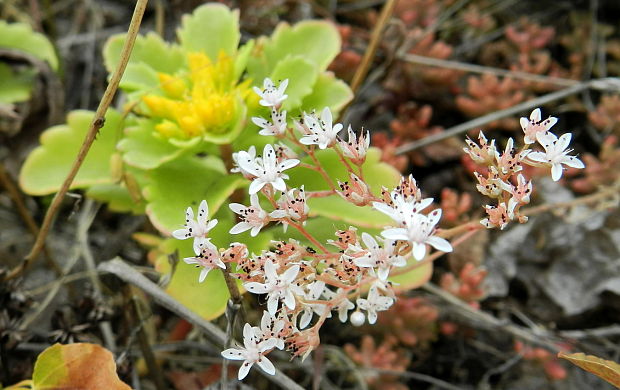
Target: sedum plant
{"x": 354, "y": 274}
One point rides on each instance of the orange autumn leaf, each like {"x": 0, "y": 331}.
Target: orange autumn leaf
{"x": 605, "y": 369}
{"x": 76, "y": 366}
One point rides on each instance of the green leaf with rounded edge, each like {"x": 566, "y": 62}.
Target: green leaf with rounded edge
{"x": 76, "y": 366}
{"x": 413, "y": 278}
{"x": 207, "y": 299}
{"x": 116, "y": 197}
{"x": 142, "y": 148}
{"x": 148, "y": 49}
{"x": 16, "y": 85}
{"x": 20, "y": 36}
{"x": 301, "y": 75}
{"x": 242, "y": 58}
{"x": 328, "y": 91}
{"x": 316, "y": 41}
{"x": 47, "y": 166}
{"x": 210, "y": 28}
{"x": 376, "y": 174}
{"x": 174, "y": 186}
{"x": 139, "y": 76}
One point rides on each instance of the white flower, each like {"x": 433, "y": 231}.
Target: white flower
{"x": 418, "y": 231}
{"x": 251, "y": 154}
{"x": 251, "y": 217}
{"x": 291, "y": 206}
{"x": 320, "y": 132}
{"x": 376, "y": 256}
{"x": 555, "y": 154}
{"x": 343, "y": 307}
{"x": 276, "y": 127}
{"x": 402, "y": 207}
{"x": 207, "y": 257}
{"x": 315, "y": 289}
{"x": 534, "y": 125}
{"x": 374, "y": 303}
{"x": 265, "y": 169}
{"x": 356, "y": 148}
{"x": 270, "y": 328}
{"x": 277, "y": 287}
{"x": 270, "y": 95}
{"x": 199, "y": 228}
{"x": 252, "y": 353}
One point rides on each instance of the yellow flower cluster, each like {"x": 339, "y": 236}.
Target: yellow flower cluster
{"x": 205, "y": 101}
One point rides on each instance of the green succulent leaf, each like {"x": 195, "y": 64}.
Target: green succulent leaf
{"x": 183, "y": 182}
{"x": 16, "y": 85}
{"x": 376, "y": 174}
{"x": 211, "y": 28}
{"x": 117, "y": 197}
{"x": 142, "y": 148}
{"x": 316, "y": 41}
{"x": 328, "y": 91}
{"x": 20, "y": 36}
{"x": 301, "y": 75}
{"x": 149, "y": 50}
{"x": 47, "y": 166}
{"x": 413, "y": 278}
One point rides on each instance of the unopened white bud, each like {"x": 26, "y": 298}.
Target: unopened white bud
{"x": 358, "y": 318}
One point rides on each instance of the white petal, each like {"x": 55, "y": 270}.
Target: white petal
{"x": 556, "y": 172}
{"x": 395, "y": 234}
{"x": 181, "y": 234}
{"x": 203, "y": 274}
{"x": 291, "y": 274}
{"x": 372, "y": 316}
{"x": 233, "y": 354}
{"x": 370, "y": 242}
{"x": 288, "y": 163}
{"x": 256, "y": 288}
{"x": 244, "y": 369}
{"x": 563, "y": 141}
{"x": 573, "y": 162}
{"x": 266, "y": 365}
{"x": 538, "y": 157}
{"x": 203, "y": 212}
{"x": 439, "y": 243}
{"x": 419, "y": 250}
{"x": 523, "y": 121}
{"x": 272, "y": 304}
{"x": 237, "y": 208}
{"x": 240, "y": 228}
{"x": 306, "y": 317}
{"x": 383, "y": 272}
{"x": 289, "y": 299}
{"x": 535, "y": 115}
{"x": 279, "y": 184}
{"x": 270, "y": 270}
{"x": 256, "y": 185}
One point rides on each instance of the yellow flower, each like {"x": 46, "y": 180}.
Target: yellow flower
{"x": 204, "y": 101}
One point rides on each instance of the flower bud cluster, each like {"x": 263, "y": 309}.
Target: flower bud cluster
{"x": 503, "y": 180}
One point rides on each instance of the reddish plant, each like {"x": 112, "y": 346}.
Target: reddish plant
{"x": 540, "y": 356}
{"x": 467, "y": 285}
{"x": 412, "y": 321}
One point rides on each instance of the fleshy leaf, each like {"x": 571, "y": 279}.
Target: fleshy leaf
{"x": 76, "y": 366}
{"x": 16, "y": 84}
{"x": 301, "y": 75}
{"x": 174, "y": 186}
{"x": 604, "y": 369}
{"x": 209, "y": 298}
{"x": 143, "y": 149}
{"x": 48, "y": 165}
{"x": 328, "y": 91}
{"x": 20, "y": 36}
{"x": 117, "y": 197}
{"x": 211, "y": 28}
{"x": 414, "y": 278}
{"x": 150, "y": 50}
{"x": 376, "y": 173}
{"x": 316, "y": 41}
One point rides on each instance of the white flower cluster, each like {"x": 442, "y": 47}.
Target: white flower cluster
{"x": 302, "y": 287}
{"x": 504, "y": 180}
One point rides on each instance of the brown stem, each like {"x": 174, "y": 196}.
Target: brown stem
{"x": 305, "y": 233}
{"x": 95, "y": 126}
